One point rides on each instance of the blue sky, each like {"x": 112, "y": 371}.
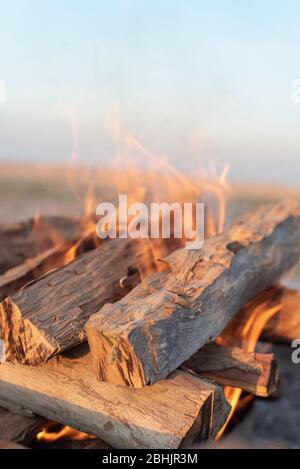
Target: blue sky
{"x": 194, "y": 80}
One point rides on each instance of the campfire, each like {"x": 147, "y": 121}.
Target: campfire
{"x": 141, "y": 343}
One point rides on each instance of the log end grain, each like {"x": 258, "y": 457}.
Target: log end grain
{"x": 21, "y": 341}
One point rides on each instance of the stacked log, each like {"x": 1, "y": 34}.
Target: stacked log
{"x": 173, "y": 413}
{"x": 154, "y": 330}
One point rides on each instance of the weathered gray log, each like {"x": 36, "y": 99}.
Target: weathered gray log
{"x": 282, "y": 327}
{"x": 256, "y": 373}
{"x": 171, "y": 414}
{"x": 162, "y": 322}
{"x": 48, "y": 315}
{"x": 19, "y": 428}
{"x": 26, "y": 240}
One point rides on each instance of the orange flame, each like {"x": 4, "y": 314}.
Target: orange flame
{"x": 156, "y": 181}
{"x": 65, "y": 433}
{"x": 249, "y": 336}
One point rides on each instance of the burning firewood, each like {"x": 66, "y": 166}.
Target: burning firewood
{"x": 256, "y": 373}
{"x": 283, "y": 326}
{"x": 40, "y": 246}
{"x": 48, "y": 315}
{"x": 18, "y": 276}
{"x": 163, "y": 321}
{"x": 26, "y": 240}
{"x": 171, "y": 414}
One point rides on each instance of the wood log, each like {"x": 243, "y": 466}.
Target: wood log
{"x": 26, "y": 240}
{"x": 256, "y": 373}
{"x": 48, "y": 315}
{"x": 162, "y": 322}
{"x": 19, "y": 428}
{"x": 52, "y": 241}
{"x": 282, "y": 327}
{"x": 173, "y": 413}
{"x": 16, "y": 277}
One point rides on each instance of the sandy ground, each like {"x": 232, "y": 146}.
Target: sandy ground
{"x": 25, "y": 190}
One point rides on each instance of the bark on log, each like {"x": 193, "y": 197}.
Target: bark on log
{"x": 256, "y": 373}
{"x": 19, "y": 428}
{"x": 48, "y": 315}
{"x": 162, "y": 322}
{"x": 28, "y": 239}
{"x": 282, "y": 327}
{"x": 171, "y": 414}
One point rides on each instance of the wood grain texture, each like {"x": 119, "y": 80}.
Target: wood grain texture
{"x": 256, "y": 373}
{"x": 170, "y": 414}
{"x": 48, "y": 315}
{"x": 163, "y": 321}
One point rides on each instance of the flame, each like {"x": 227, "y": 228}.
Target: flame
{"x": 148, "y": 177}
{"x": 144, "y": 177}
{"x": 65, "y": 433}
{"x": 249, "y": 336}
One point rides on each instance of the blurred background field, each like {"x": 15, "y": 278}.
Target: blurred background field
{"x": 62, "y": 190}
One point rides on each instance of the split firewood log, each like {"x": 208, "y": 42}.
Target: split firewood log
{"x": 16, "y": 277}
{"x": 48, "y": 315}
{"x": 26, "y": 240}
{"x": 163, "y": 321}
{"x": 256, "y": 373}
{"x": 40, "y": 246}
{"x": 173, "y": 413}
